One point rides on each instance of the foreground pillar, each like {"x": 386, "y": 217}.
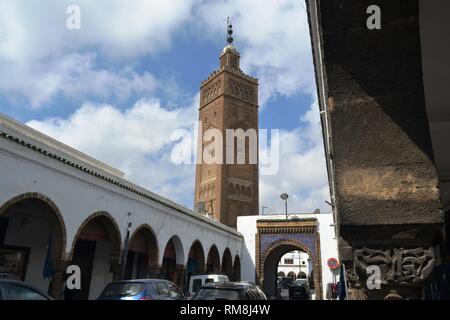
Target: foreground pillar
{"x": 384, "y": 182}
{"x": 180, "y": 278}
{"x": 116, "y": 269}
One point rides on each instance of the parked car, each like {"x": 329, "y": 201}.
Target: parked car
{"x": 299, "y": 289}
{"x": 18, "y": 290}
{"x": 286, "y": 282}
{"x": 197, "y": 281}
{"x": 141, "y": 289}
{"x": 230, "y": 291}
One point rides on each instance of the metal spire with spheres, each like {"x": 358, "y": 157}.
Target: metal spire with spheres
{"x": 230, "y": 56}
{"x": 229, "y": 32}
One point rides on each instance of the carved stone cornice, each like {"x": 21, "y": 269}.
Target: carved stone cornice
{"x": 233, "y": 83}
{"x": 238, "y": 73}
{"x": 287, "y": 230}
{"x": 283, "y": 223}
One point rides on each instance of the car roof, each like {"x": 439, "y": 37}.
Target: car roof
{"x": 140, "y": 281}
{"x": 229, "y": 285}
{"x": 209, "y": 275}
{"x": 301, "y": 280}
{"x": 12, "y": 281}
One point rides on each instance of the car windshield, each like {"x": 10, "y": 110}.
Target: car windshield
{"x": 217, "y": 294}
{"x": 302, "y": 282}
{"x": 122, "y": 289}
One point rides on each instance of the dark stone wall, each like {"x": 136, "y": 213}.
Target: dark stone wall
{"x": 386, "y": 184}
{"x": 381, "y": 147}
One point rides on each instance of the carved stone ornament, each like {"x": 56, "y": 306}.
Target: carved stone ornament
{"x": 352, "y": 278}
{"x": 397, "y": 265}
{"x": 241, "y": 90}
{"x": 212, "y": 91}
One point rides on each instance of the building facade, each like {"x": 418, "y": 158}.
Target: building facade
{"x": 227, "y": 184}
{"x": 295, "y": 264}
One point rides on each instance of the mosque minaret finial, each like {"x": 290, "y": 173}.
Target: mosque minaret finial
{"x": 229, "y": 32}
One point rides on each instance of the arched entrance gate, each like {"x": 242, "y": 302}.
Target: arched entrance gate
{"x": 277, "y": 237}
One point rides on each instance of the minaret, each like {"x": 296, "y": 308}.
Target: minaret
{"x": 228, "y": 100}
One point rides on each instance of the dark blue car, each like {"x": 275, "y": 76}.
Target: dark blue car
{"x": 141, "y": 289}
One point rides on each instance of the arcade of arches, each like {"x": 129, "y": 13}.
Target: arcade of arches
{"x": 293, "y": 275}
{"x": 33, "y": 241}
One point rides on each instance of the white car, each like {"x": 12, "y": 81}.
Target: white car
{"x": 196, "y": 282}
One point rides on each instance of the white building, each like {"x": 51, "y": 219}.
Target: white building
{"x": 294, "y": 264}
{"x": 59, "y": 207}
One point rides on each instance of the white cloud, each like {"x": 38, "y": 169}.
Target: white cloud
{"x": 74, "y": 76}
{"x": 136, "y": 141}
{"x": 302, "y": 171}
{"x": 40, "y": 58}
{"x": 32, "y": 30}
{"x": 273, "y": 39}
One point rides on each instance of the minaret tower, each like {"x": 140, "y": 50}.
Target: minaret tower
{"x": 228, "y": 100}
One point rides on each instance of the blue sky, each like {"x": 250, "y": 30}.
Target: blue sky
{"x": 118, "y": 87}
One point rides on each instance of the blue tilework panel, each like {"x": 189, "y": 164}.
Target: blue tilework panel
{"x": 307, "y": 239}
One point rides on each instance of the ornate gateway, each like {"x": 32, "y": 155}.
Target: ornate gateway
{"x": 276, "y": 237}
